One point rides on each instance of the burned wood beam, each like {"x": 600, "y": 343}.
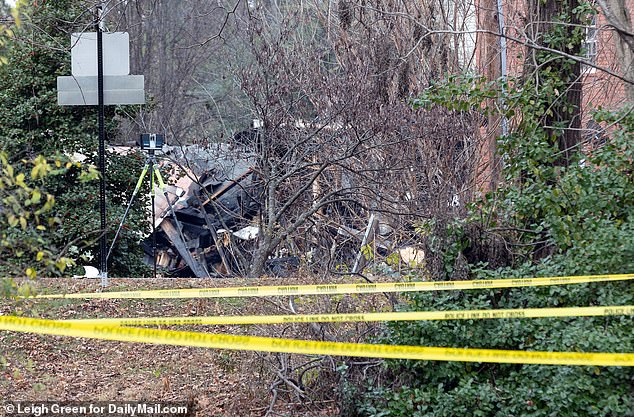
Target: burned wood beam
{"x": 368, "y": 236}
{"x": 182, "y": 249}
{"x": 233, "y": 182}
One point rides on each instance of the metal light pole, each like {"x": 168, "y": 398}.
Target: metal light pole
{"x": 102, "y": 150}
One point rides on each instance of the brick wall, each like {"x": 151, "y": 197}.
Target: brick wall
{"x": 599, "y": 88}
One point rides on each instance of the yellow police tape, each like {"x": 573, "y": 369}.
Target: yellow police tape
{"x": 267, "y": 344}
{"x": 345, "y": 288}
{"x": 367, "y": 317}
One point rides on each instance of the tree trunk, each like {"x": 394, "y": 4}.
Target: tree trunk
{"x": 490, "y": 67}
{"x": 566, "y": 108}
{"x": 266, "y": 245}
{"x": 259, "y": 260}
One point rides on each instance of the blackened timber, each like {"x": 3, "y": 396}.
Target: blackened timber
{"x": 182, "y": 249}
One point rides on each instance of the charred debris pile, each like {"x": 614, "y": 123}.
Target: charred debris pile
{"x": 216, "y": 194}
{"x": 215, "y": 199}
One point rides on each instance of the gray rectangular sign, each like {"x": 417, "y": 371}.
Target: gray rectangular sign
{"x": 116, "y": 54}
{"x": 118, "y": 89}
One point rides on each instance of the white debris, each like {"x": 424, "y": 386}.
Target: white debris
{"x": 247, "y": 233}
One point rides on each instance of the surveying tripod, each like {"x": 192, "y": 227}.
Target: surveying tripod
{"x": 155, "y": 178}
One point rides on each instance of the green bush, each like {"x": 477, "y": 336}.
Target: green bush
{"x": 584, "y": 215}
{"x": 27, "y": 218}
{"x": 33, "y": 124}
{"x": 423, "y": 388}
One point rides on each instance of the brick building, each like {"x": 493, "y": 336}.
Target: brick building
{"x": 601, "y": 86}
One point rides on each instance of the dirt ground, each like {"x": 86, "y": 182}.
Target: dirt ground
{"x": 215, "y": 382}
